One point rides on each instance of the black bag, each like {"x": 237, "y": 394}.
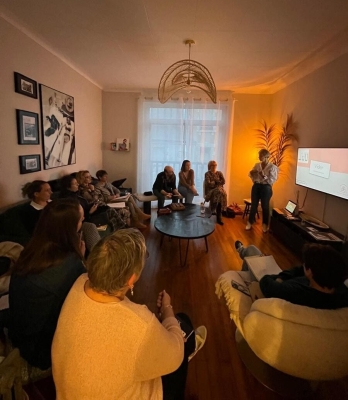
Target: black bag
{"x": 148, "y": 193}
{"x": 230, "y": 212}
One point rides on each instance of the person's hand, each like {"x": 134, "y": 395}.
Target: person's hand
{"x": 163, "y": 301}
{"x": 91, "y": 187}
{"x": 116, "y": 196}
{"x": 93, "y": 208}
{"x": 279, "y": 280}
{"x": 82, "y": 247}
{"x": 169, "y": 195}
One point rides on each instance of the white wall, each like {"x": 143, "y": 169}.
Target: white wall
{"x": 120, "y": 120}
{"x": 319, "y": 104}
{"x": 21, "y": 54}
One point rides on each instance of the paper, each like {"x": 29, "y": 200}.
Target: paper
{"x": 262, "y": 265}
{"x": 120, "y": 204}
{"x": 126, "y": 197}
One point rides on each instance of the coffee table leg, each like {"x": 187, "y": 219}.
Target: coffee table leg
{"x": 206, "y": 244}
{"x": 187, "y": 246}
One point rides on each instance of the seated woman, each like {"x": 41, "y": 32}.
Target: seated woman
{"x": 40, "y": 194}
{"x": 214, "y": 190}
{"x": 131, "y": 349}
{"x": 86, "y": 188}
{"x": 94, "y": 212}
{"x": 41, "y": 279}
{"x": 109, "y": 193}
{"x": 186, "y": 185}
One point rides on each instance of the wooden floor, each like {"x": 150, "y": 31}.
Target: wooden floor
{"x": 216, "y": 373}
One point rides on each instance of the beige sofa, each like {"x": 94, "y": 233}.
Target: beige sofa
{"x": 300, "y": 341}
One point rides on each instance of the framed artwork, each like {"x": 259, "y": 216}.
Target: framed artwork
{"x": 28, "y": 164}
{"x": 122, "y": 144}
{"x": 25, "y": 85}
{"x": 58, "y": 128}
{"x": 27, "y": 127}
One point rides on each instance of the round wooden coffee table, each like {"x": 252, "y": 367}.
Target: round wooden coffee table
{"x": 186, "y": 224}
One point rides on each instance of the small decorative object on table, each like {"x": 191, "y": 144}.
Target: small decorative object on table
{"x": 164, "y": 211}
{"x": 177, "y": 207}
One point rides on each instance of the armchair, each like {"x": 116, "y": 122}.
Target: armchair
{"x": 300, "y": 341}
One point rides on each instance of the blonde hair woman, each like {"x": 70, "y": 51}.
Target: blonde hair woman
{"x": 131, "y": 349}
{"x": 214, "y": 190}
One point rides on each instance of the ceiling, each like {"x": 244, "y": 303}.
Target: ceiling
{"x": 250, "y": 46}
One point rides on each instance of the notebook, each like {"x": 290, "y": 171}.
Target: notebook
{"x": 262, "y": 265}
{"x": 120, "y": 204}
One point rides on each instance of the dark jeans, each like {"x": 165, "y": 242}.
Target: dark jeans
{"x": 263, "y": 193}
{"x": 162, "y": 198}
{"x": 174, "y": 383}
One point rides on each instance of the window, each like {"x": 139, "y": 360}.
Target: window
{"x": 181, "y": 130}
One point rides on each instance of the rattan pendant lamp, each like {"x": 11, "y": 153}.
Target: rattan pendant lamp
{"x": 186, "y": 74}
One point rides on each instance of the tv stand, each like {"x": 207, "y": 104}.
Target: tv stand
{"x": 294, "y": 234}
{"x": 313, "y": 221}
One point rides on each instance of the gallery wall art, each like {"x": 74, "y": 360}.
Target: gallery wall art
{"x": 58, "y": 128}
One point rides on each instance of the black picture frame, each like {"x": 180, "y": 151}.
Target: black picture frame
{"x": 27, "y": 127}
{"x": 57, "y": 128}
{"x": 25, "y": 85}
{"x": 28, "y": 164}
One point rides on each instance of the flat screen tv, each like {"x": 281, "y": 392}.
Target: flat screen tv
{"x": 323, "y": 169}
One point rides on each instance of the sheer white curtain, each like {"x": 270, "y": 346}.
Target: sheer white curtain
{"x": 189, "y": 128}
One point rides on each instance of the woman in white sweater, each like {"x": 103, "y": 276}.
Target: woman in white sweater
{"x": 106, "y": 346}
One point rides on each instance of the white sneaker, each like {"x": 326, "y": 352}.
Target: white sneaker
{"x": 248, "y": 226}
{"x": 264, "y": 228}
{"x": 201, "y": 336}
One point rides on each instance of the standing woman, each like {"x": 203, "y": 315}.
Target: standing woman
{"x": 42, "y": 278}
{"x": 263, "y": 175}
{"x": 186, "y": 185}
{"x": 214, "y": 190}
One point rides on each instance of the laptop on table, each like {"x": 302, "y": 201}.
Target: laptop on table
{"x": 290, "y": 210}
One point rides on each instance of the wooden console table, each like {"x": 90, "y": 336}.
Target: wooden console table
{"x": 294, "y": 234}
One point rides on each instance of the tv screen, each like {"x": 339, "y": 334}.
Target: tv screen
{"x": 325, "y": 170}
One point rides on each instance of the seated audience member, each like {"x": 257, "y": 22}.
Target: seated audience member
{"x": 263, "y": 175}
{"x": 86, "y": 189}
{"x": 41, "y": 279}
{"x": 214, "y": 190}
{"x": 186, "y": 185}
{"x": 94, "y": 212}
{"x": 109, "y": 193}
{"x": 319, "y": 283}
{"x": 131, "y": 349}
{"x": 39, "y": 192}
{"x": 164, "y": 187}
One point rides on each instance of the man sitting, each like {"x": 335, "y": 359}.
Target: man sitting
{"x": 318, "y": 283}
{"x": 164, "y": 187}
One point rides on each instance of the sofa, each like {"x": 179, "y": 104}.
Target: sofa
{"x": 300, "y": 341}
{"x": 11, "y": 226}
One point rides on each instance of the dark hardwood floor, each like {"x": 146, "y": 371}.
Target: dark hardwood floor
{"x": 216, "y": 373}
